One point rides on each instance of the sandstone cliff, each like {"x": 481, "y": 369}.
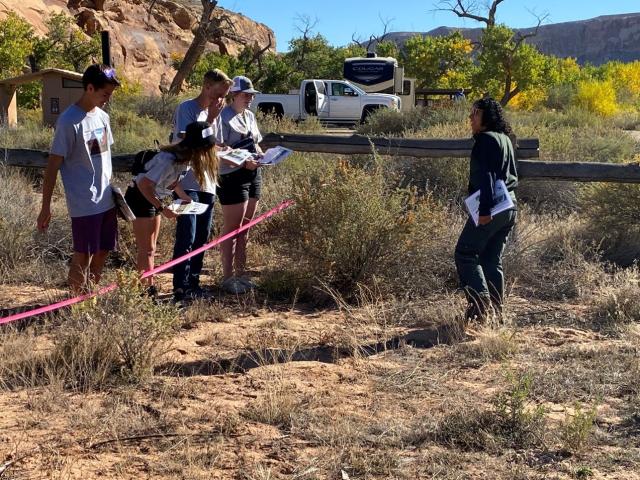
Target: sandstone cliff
{"x": 141, "y": 44}
{"x": 596, "y": 41}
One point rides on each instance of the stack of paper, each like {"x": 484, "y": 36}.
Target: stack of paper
{"x": 501, "y": 201}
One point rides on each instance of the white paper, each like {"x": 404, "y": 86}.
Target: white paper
{"x": 275, "y": 155}
{"x": 501, "y": 199}
{"x": 236, "y": 156}
{"x": 191, "y": 208}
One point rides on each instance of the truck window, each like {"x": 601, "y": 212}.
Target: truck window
{"x": 342, "y": 90}
{"x": 321, "y": 88}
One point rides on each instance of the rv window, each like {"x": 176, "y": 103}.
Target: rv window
{"x": 406, "y": 87}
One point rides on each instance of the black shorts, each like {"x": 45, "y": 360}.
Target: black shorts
{"x": 239, "y": 186}
{"x": 139, "y": 205}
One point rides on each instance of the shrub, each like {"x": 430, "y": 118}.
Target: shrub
{"x": 28, "y": 134}
{"x": 348, "y": 223}
{"x": 612, "y": 213}
{"x": 577, "y": 428}
{"x": 403, "y": 123}
{"x": 132, "y": 132}
{"x": 511, "y": 422}
{"x": 114, "y": 337}
{"x": 548, "y": 257}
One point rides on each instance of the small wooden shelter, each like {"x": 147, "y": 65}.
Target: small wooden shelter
{"x": 60, "y": 88}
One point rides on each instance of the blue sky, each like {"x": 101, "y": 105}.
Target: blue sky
{"x": 338, "y": 20}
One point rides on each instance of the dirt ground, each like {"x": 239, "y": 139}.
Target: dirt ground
{"x": 250, "y": 390}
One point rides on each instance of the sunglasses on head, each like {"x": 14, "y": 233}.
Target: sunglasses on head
{"x": 110, "y": 73}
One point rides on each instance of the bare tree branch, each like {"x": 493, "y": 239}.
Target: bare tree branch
{"x": 470, "y": 9}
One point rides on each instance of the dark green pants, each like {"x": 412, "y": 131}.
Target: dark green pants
{"x": 479, "y": 257}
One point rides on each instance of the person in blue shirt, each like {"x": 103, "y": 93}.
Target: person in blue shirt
{"x": 192, "y": 231}
{"x": 479, "y": 250}
{"x": 81, "y": 150}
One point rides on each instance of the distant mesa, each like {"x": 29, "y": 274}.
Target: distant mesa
{"x": 596, "y": 41}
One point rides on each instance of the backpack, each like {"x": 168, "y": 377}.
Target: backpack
{"x": 141, "y": 159}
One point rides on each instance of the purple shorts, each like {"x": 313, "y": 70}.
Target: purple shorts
{"x": 93, "y": 233}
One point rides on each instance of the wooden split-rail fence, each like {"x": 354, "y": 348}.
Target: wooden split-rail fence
{"x": 528, "y": 149}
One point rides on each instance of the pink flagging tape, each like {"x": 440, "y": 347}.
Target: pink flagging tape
{"x": 148, "y": 273}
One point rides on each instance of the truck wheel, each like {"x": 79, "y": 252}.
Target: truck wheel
{"x": 274, "y": 109}
{"x": 367, "y": 111}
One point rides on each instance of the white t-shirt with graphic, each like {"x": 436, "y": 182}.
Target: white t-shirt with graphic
{"x": 84, "y": 140}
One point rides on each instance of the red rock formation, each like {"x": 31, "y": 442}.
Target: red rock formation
{"x": 142, "y": 43}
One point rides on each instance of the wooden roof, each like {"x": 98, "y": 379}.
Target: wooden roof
{"x": 31, "y": 76}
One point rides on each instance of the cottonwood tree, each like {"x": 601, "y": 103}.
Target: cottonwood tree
{"x": 508, "y": 65}
{"x": 439, "y": 62}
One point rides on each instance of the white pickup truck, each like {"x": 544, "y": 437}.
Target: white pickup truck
{"x": 332, "y": 101}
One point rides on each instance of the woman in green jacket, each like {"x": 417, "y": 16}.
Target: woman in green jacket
{"x": 479, "y": 250}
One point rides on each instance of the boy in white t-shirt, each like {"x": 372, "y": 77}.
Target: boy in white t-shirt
{"x": 81, "y": 150}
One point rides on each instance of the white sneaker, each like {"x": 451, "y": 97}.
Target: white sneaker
{"x": 234, "y": 285}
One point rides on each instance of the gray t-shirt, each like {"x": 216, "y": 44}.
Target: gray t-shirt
{"x": 84, "y": 140}
{"x": 236, "y": 127}
{"x": 164, "y": 171}
{"x": 188, "y": 112}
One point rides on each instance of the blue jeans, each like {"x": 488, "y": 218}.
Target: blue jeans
{"x": 192, "y": 231}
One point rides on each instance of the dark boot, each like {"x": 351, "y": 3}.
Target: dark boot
{"x": 478, "y": 309}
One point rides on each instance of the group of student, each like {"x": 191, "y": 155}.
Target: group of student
{"x": 187, "y": 168}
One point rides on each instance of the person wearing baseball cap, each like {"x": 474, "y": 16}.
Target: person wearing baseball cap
{"x": 242, "y": 84}
{"x": 160, "y": 178}
{"x": 239, "y": 186}
{"x": 81, "y": 151}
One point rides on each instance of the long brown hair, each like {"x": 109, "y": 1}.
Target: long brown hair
{"x": 202, "y": 160}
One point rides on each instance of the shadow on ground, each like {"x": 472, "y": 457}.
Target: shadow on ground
{"x": 419, "y": 338}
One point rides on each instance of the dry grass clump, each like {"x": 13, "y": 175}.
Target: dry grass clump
{"x": 113, "y": 338}
{"x": 513, "y": 421}
{"x": 22, "y": 363}
{"x": 549, "y": 258}
{"x": 26, "y": 255}
{"x": 491, "y": 343}
{"x": 574, "y": 373}
{"x": 616, "y": 306}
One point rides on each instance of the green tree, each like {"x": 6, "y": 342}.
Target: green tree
{"x": 439, "y": 62}
{"x": 507, "y": 65}
{"x": 65, "y": 46}
{"x": 387, "y": 49}
{"x": 16, "y": 43}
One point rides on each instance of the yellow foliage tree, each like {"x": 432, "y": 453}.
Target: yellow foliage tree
{"x": 597, "y": 96}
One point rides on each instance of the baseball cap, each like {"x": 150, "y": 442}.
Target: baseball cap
{"x": 198, "y": 135}
{"x": 242, "y": 84}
